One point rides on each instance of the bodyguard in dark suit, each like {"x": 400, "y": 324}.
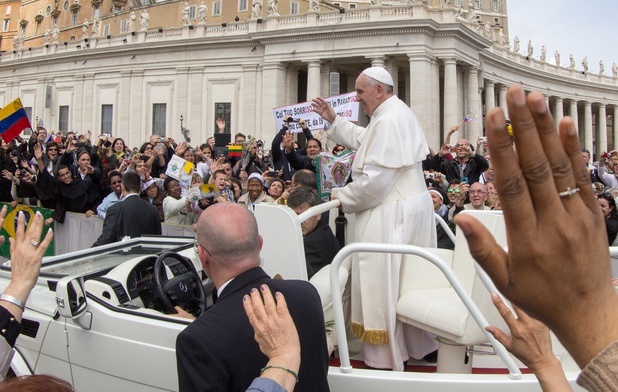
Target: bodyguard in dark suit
{"x": 217, "y": 352}
{"x": 132, "y": 216}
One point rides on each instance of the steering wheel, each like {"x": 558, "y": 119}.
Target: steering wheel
{"x": 184, "y": 290}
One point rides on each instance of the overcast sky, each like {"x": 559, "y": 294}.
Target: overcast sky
{"x": 583, "y": 28}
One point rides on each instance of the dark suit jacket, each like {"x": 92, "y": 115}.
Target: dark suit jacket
{"x": 321, "y": 246}
{"x": 217, "y": 352}
{"x": 133, "y": 217}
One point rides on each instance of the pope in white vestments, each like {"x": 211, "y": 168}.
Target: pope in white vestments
{"x": 392, "y": 205}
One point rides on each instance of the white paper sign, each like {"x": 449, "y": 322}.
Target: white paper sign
{"x": 345, "y": 106}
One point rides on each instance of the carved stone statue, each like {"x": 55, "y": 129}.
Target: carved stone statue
{"x": 543, "y": 53}
{"x": 144, "y": 19}
{"x": 85, "y": 28}
{"x": 271, "y": 9}
{"x": 516, "y": 45}
{"x": 186, "y": 14}
{"x": 132, "y": 19}
{"x": 16, "y": 42}
{"x": 47, "y": 35}
{"x": 601, "y": 67}
{"x": 314, "y": 5}
{"x": 585, "y": 64}
{"x": 472, "y": 16}
{"x": 615, "y": 70}
{"x": 459, "y": 15}
{"x": 557, "y": 58}
{"x": 256, "y": 9}
{"x": 501, "y": 38}
{"x": 55, "y": 34}
{"x": 530, "y": 49}
{"x": 487, "y": 31}
{"x": 202, "y": 11}
{"x": 571, "y": 62}
{"x": 96, "y": 23}
{"x": 376, "y": 2}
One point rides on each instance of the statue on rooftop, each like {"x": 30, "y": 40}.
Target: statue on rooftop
{"x": 256, "y": 9}
{"x": 144, "y": 19}
{"x": 543, "y": 53}
{"x": 132, "y": 19}
{"x": 585, "y": 64}
{"x": 516, "y": 45}
{"x": 202, "y": 11}
{"x": 571, "y": 62}
{"x": 271, "y": 9}
{"x": 601, "y": 67}
{"x": 47, "y": 35}
{"x": 314, "y": 5}
{"x": 530, "y": 49}
{"x": 186, "y": 14}
{"x": 96, "y": 23}
{"x": 615, "y": 70}
{"x": 55, "y": 34}
{"x": 557, "y": 58}
{"x": 85, "y": 29}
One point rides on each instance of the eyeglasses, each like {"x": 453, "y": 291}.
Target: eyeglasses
{"x": 196, "y": 248}
{"x": 461, "y": 145}
{"x": 52, "y": 149}
{"x": 477, "y": 192}
{"x": 453, "y": 190}
{"x": 148, "y": 148}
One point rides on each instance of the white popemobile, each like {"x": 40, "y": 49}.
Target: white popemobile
{"x": 97, "y": 318}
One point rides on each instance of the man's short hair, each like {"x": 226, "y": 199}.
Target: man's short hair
{"x": 305, "y": 178}
{"x": 167, "y": 181}
{"x": 131, "y": 182}
{"x": 220, "y": 171}
{"x": 302, "y": 195}
{"x": 317, "y": 141}
{"x": 241, "y": 135}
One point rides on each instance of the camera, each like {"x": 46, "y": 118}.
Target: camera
{"x": 293, "y": 120}
{"x": 107, "y": 143}
{"x": 260, "y": 144}
{"x": 429, "y": 176}
{"x": 14, "y": 153}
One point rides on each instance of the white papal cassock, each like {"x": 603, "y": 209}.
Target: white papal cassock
{"x": 392, "y": 205}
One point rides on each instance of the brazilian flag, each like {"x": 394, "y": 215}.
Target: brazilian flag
{"x": 10, "y": 226}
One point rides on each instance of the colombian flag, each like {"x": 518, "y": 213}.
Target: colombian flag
{"x": 13, "y": 120}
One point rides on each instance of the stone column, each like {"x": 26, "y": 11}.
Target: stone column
{"x": 124, "y": 110}
{"x": 196, "y": 96}
{"x": 474, "y": 126}
{"x": 615, "y": 128}
{"x": 574, "y": 115}
{"x": 314, "y": 82}
{"x": 601, "y": 144}
{"x": 250, "y": 102}
{"x": 588, "y": 126}
{"x": 422, "y": 97}
{"x": 558, "y": 110}
{"x": 502, "y": 100}
{"x": 273, "y": 95}
{"x": 137, "y": 109}
{"x": 451, "y": 96}
{"x": 393, "y": 69}
{"x": 88, "y": 106}
{"x": 378, "y": 62}
{"x": 490, "y": 96}
{"x": 80, "y": 115}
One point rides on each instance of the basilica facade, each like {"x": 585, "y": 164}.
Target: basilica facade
{"x": 131, "y": 76}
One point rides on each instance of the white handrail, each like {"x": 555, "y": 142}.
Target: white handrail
{"x": 514, "y": 372}
{"x": 320, "y": 208}
{"x": 444, "y": 225}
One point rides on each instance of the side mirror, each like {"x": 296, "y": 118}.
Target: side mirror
{"x": 71, "y": 297}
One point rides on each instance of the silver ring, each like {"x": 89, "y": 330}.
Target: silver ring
{"x": 569, "y": 192}
{"x": 33, "y": 242}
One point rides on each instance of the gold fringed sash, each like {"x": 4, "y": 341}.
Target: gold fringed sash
{"x": 373, "y": 336}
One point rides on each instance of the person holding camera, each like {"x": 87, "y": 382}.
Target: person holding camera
{"x": 466, "y": 164}
{"x": 278, "y": 150}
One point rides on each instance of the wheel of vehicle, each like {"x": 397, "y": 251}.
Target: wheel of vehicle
{"x": 185, "y": 289}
